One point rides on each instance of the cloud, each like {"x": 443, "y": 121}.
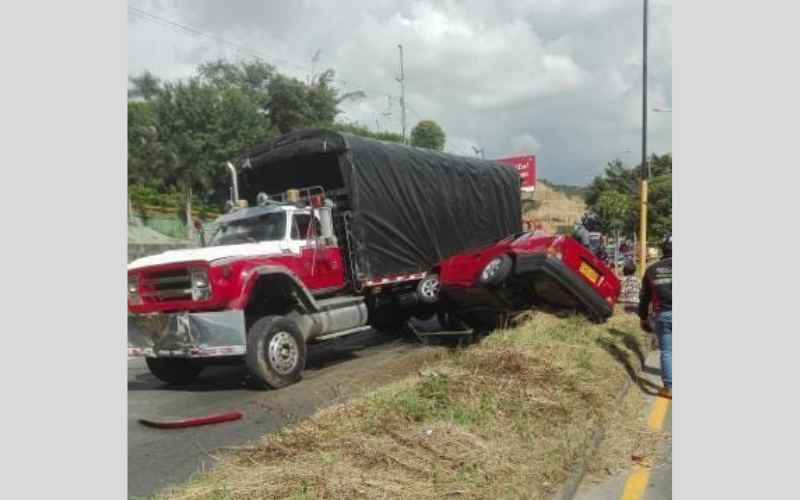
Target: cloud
{"x": 560, "y": 77}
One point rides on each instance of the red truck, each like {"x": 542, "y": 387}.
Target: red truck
{"x": 484, "y": 286}
{"x": 350, "y": 241}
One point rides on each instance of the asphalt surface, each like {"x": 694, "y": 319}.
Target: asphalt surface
{"x": 335, "y": 370}
{"x": 659, "y": 481}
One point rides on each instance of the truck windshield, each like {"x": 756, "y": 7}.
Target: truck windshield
{"x": 267, "y": 227}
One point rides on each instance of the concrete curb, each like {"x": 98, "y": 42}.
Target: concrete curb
{"x": 572, "y": 484}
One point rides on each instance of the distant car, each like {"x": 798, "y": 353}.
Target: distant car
{"x": 511, "y": 275}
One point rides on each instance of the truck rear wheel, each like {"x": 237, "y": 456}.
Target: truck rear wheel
{"x": 174, "y": 370}
{"x": 276, "y": 352}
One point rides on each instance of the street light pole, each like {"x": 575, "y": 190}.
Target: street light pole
{"x": 643, "y": 208}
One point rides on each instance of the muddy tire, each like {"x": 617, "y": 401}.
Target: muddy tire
{"x": 174, "y": 370}
{"x": 276, "y": 352}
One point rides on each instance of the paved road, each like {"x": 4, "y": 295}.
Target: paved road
{"x": 335, "y": 370}
{"x": 657, "y": 483}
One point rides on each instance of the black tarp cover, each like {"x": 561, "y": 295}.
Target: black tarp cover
{"x": 411, "y": 207}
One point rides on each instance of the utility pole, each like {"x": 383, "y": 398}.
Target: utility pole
{"x": 645, "y": 166}
{"x": 402, "y": 81}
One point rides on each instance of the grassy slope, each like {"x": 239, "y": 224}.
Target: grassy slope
{"x": 508, "y": 418}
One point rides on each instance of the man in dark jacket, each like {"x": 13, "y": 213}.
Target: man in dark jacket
{"x": 657, "y": 290}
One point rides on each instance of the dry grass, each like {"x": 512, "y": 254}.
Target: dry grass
{"x": 506, "y": 419}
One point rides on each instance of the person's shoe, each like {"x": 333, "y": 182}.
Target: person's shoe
{"x": 665, "y": 393}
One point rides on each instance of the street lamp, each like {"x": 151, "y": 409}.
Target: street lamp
{"x": 643, "y": 208}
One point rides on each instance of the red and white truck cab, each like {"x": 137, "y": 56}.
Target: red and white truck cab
{"x": 276, "y": 265}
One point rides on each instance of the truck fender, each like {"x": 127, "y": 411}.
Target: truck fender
{"x": 282, "y": 277}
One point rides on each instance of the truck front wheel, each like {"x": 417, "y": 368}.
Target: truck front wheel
{"x": 276, "y": 352}
{"x": 174, "y": 370}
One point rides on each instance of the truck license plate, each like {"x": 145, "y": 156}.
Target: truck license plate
{"x": 587, "y": 271}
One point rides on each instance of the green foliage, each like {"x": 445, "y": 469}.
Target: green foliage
{"x": 144, "y": 86}
{"x": 626, "y": 183}
{"x": 181, "y": 133}
{"x": 358, "y": 129}
{"x": 614, "y": 208}
{"x": 429, "y": 135}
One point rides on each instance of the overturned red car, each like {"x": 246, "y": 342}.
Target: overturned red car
{"x": 485, "y": 286}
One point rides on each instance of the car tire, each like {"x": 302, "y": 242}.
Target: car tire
{"x": 174, "y": 370}
{"x": 428, "y": 289}
{"x": 276, "y": 352}
{"x": 496, "y": 271}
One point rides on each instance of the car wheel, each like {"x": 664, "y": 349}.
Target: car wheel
{"x": 496, "y": 271}
{"x": 276, "y": 352}
{"x": 428, "y": 289}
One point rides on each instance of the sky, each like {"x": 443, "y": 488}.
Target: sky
{"x": 561, "y": 79}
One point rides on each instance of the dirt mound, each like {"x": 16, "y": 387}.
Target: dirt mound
{"x": 554, "y": 208}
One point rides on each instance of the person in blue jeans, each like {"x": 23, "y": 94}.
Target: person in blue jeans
{"x": 657, "y": 292}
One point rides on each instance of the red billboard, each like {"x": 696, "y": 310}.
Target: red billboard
{"x": 526, "y": 166}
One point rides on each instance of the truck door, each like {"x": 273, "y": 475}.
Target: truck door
{"x": 322, "y": 267}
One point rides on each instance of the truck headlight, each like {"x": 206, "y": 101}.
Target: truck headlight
{"x": 200, "y": 286}
{"x": 133, "y": 288}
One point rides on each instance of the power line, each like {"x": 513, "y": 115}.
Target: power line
{"x": 248, "y": 50}
{"x": 260, "y": 55}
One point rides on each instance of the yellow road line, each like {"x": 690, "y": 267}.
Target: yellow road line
{"x": 658, "y": 414}
{"x": 637, "y": 481}
{"x": 636, "y": 484}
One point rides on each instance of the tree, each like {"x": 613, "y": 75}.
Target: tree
{"x": 429, "y": 135}
{"x": 627, "y": 182}
{"x": 181, "y": 133}
{"x": 145, "y": 86}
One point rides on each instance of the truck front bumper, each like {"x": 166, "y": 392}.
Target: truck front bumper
{"x": 186, "y": 334}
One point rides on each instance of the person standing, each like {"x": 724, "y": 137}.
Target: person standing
{"x": 657, "y": 291}
{"x": 631, "y": 288}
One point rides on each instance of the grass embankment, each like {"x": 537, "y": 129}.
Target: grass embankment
{"x": 507, "y": 418}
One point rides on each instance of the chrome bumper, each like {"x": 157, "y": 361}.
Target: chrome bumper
{"x": 185, "y": 334}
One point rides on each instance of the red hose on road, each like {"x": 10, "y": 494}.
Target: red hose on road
{"x": 192, "y": 422}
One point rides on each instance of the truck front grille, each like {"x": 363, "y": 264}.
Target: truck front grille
{"x": 166, "y": 286}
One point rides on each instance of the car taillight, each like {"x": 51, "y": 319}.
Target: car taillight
{"x": 201, "y": 289}
{"x": 133, "y": 288}
{"x": 554, "y": 252}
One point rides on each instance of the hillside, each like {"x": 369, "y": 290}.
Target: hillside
{"x": 554, "y": 206}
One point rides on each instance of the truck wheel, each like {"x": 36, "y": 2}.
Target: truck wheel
{"x": 174, "y": 370}
{"x": 276, "y": 352}
{"x": 428, "y": 289}
{"x": 496, "y": 271}
{"x": 388, "y": 322}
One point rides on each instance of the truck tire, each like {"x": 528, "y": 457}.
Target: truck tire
{"x": 496, "y": 271}
{"x": 428, "y": 289}
{"x": 174, "y": 370}
{"x": 276, "y": 352}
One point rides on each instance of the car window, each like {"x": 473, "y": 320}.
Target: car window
{"x": 300, "y": 227}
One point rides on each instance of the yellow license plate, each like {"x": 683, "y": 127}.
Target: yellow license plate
{"x": 587, "y": 271}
